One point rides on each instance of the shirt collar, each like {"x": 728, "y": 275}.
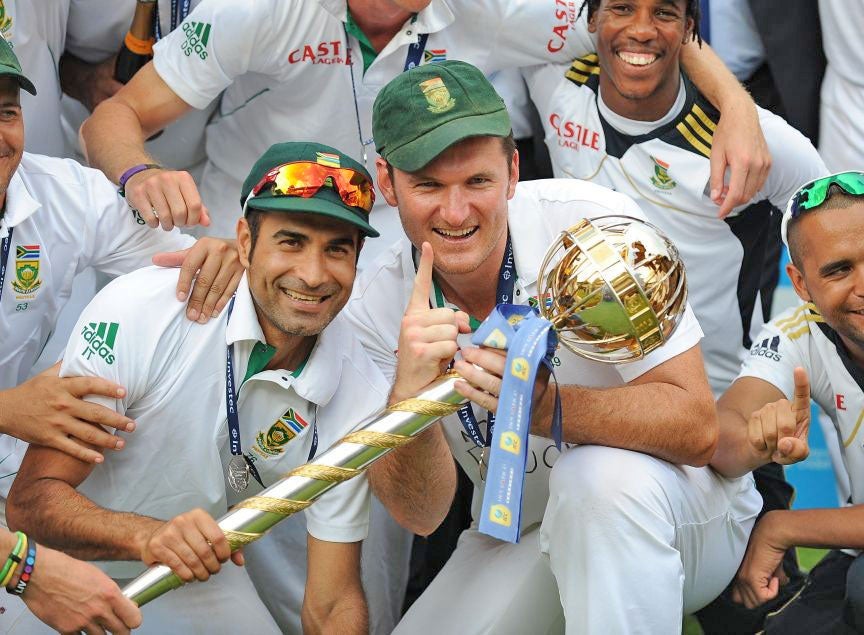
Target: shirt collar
{"x": 20, "y": 205}
{"x": 319, "y": 378}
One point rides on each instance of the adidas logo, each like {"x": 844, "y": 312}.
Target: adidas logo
{"x": 769, "y": 347}
{"x": 197, "y": 36}
{"x": 100, "y": 338}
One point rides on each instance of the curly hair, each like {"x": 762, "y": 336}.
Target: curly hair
{"x": 693, "y": 11}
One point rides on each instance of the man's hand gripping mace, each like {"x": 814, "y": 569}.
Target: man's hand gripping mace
{"x": 250, "y": 519}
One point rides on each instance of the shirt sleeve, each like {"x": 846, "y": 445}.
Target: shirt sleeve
{"x": 221, "y": 40}
{"x": 116, "y": 238}
{"x": 773, "y": 358}
{"x": 794, "y": 160}
{"x": 532, "y": 31}
{"x": 341, "y": 514}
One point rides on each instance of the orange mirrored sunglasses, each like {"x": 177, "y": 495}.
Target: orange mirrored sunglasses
{"x": 305, "y": 178}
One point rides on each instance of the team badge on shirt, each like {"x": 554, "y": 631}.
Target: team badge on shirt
{"x": 27, "y": 280}
{"x": 272, "y": 442}
{"x": 661, "y": 179}
{"x": 437, "y": 95}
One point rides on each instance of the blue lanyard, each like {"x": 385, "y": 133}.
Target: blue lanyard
{"x": 506, "y": 284}
{"x": 178, "y": 14}
{"x": 415, "y": 52}
{"x": 4, "y": 258}
{"x": 232, "y": 412}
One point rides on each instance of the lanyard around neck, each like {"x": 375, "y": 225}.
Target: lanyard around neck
{"x": 4, "y": 258}
{"x": 179, "y": 11}
{"x": 233, "y": 415}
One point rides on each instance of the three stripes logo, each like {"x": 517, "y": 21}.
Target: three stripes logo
{"x": 100, "y": 338}
{"x": 768, "y": 348}
{"x": 197, "y": 36}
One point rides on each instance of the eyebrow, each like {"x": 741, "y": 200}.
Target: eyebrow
{"x": 829, "y": 268}
{"x": 287, "y": 233}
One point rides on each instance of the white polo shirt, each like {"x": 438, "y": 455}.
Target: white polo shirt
{"x": 800, "y": 337}
{"x": 135, "y": 333}
{"x": 95, "y": 32}
{"x": 665, "y": 167}
{"x": 63, "y": 218}
{"x": 37, "y": 31}
{"x": 539, "y": 211}
{"x": 286, "y": 74}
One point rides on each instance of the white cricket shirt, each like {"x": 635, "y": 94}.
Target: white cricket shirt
{"x": 286, "y": 73}
{"x": 666, "y": 168}
{"x": 539, "y": 211}
{"x": 63, "y": 218}
{"x": 800, "y": 337}
{"x": 135, "y": 333}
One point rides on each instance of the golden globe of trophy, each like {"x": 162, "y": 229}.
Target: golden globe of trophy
{"x": 614, "y": 289}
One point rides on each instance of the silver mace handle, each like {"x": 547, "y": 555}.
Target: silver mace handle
{"x": 250, "y": 519}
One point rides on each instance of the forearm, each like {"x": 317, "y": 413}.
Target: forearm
{"x": 348, "y": 614}
{"x": 841, "y": 528}
{"x": 735, "y": 455}
{"x": 633, "y": 417}
{"x": 713, "y": 78}
{"x": 55, "y": 514}
{"x": 417, "y": 482}
{"x": 113, "y": 139}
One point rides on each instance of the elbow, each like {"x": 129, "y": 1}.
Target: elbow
{"x": 16, "y": 510}
{"x": 705, "y": 436}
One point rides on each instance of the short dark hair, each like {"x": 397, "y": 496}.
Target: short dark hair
{"x": 835, "y": 198}
{"x": 693, "y": 11}
{"x": 508, "y": 147}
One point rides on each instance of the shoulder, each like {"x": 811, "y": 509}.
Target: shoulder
{"x": 572, "y": 197}
{"x": 146, "y": 295}
{"x": 384, "y": 276}
{"x": 51, "y": 173}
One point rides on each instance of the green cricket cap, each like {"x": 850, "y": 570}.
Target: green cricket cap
{"x": 9, "y": 65}
{"x": 326, "y": 200}
{"x": 427, "y": 109}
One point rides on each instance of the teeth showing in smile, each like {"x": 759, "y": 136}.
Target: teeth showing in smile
{"x": 308, "y": 299}
{"x": 637, "y": 59}
{"x": 456, "y": 233}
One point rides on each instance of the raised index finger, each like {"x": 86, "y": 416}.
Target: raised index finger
{"x": 801, "y": 400}
{"x": 422, "y": 281}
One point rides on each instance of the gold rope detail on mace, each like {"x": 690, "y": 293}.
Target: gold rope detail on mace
{"x": 383, "y": 440}
{"x": 284, "y": 507}
{"x": 425, "y": 407}
{"x": 239, "y": 538}
{"x": 328, "y": 473}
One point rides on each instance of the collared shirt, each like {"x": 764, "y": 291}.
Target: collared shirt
{"x": 134, "y": 333}
{"x": 667, "y": 171}
{"x": 37, "y": 32}
{"x": 64, "y": 218}
{"x": 538, "y": 212}
{"x": 800, "y": 337}
{"x": 284, "y": 68}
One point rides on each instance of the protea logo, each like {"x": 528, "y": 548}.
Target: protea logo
{"x": 197, "y": 36}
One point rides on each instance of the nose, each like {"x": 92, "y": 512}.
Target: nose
{"x": 312, "y": 270}
{"x": 455, "y": 208}
{"x": 642, "y": 25}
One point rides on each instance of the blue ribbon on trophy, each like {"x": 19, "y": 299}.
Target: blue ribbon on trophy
{"x": 530, "y": 341}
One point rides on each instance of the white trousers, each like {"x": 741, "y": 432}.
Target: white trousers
{"x": 628, "y": 544}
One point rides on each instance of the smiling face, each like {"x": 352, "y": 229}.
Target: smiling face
{"x": 458, "y": 202}
{"x": 830, "y": 271}
{"x": 11, "y": 133}
{"x": 639, "y": 45}
{"x": 300, "y": 269}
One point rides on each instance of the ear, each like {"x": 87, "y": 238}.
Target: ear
{"x": 592, "y": 22}
{"x": 514, "y": 175}
{"x": 689, "y": 25}
{"x": 797, "y": 279}
{"x": 385, "y": 184}
{"x": 244, "y": 242}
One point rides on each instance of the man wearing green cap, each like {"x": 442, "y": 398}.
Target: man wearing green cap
{"x": 224, "y": 409}
{"x": 622, "y": 532}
